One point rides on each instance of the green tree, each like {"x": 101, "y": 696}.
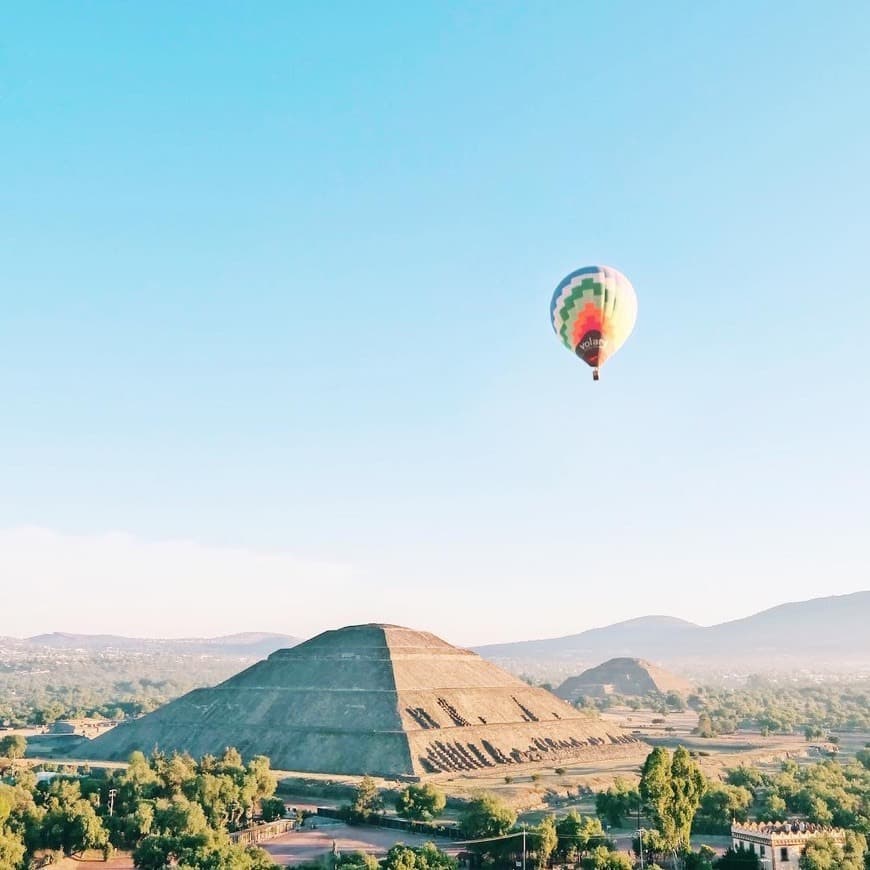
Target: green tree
{"x": 738, "y": 859}
{"x": 430, "y": 856}
{"x": 231, "y": 759}
{"x": 748, "y": 777}
{"x": 139, "y": 775}
{"x": 705, "y": 727}
{"x": 51, "y": 712}
{"x": 818, "y": 810}
{"x": 823, "y": 853}
{"x": 700, "y": 860}
{"x": 620, "y": 801}
{"x": 721, "y": 804}
{"x": 568, "y": 834}
{"x": 578, "y": 834}
{"x": 12, "y": 746}
{"x": 171, "y": 810}
{"x": 153, "y": 853}
{"x": 11, "y": 850}
{"x": 602, "y": 858}
{"x": 544, "y": 840}
{"x": 773, "y": 808}
{"x": 487, "y": 816}
{"x": 257, "y": 858}
{"x": 420, "y": 802}
{"x": 654, "y": 844}
{"x": 204, "y": 851}
{"x": 592, "y": 834}
{"x": 70, "y": 822}
{"x": 426, "y": 857}
{"x": 176, "y": 772}
{"x": 688, "y": 786}
{"x": 367, "y": 801}
{"x": 855, "y": 848}
{"x": 181, "y": 836}
{"x": 272, "y": 808}
{"x": 672, "y": 787}
{"x": 356, "y": 861}
{"x": 657, "y": 793}
{"x": 260, "y": 778}
{"x": 675, "y": 701}
{"x": 400, "y": 857}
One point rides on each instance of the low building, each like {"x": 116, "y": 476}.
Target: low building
{"x": 779, "y": 845}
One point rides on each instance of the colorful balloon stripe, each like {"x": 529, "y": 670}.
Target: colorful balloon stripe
{"x": 593, "y": 311}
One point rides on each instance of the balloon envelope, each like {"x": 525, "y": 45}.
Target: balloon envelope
{"x": 593, "y": 311}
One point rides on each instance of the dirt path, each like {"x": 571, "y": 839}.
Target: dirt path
{"x": 308, "y": 844}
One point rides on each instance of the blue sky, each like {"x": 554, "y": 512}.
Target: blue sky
{"x": 274, "y": 347}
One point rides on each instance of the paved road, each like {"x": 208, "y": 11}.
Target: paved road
{"x": 308, "y": 844}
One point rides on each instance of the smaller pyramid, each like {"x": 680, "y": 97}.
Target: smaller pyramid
{"x": 376, "y": 699}
{"x": 622, "y": 676}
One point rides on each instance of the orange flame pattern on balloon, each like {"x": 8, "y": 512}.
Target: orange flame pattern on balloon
{"x": 593, "y": 311}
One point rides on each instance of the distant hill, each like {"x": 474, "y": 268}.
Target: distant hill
{"x": 822, "y": 634}
{"x": 839, "y": 625}
{"x": 622, "y": 676}
{"x": 247, "y": 645}
{"x": 650, "y": 633}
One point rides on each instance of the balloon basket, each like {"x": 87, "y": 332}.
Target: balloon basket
{"x": 594, "y": 374}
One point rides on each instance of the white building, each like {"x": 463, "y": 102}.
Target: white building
{"x": 779, "y": 845}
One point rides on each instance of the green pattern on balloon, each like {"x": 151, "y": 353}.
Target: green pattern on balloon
{"x": 593, "y": 310}
{"x": 577, "y": 293}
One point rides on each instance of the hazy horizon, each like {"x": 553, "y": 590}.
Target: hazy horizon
{"x": 179, "y": 553}
{"x": 274, "y": 342}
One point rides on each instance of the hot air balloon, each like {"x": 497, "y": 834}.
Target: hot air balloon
{"x": 593, "y": 312}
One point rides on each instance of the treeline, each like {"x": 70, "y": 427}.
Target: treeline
{"x": 826, "y": 793}
{"x": 771, "y": 707}
{"x": 169, "y": 810}
{"x": 572, "y": 839}
{"x": 763, "y": 704}
{"x": 399, "y": 857}
{"x": 671, "y": 702}
{"x": 38, "y": 689}
{"x": 672, "y": 795}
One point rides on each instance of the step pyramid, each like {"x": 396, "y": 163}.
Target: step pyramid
{"x": 376, "y": 699}
{"x": 623, "y": 676}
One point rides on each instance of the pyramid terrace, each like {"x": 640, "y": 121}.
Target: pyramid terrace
{"x": 377, "y": 699}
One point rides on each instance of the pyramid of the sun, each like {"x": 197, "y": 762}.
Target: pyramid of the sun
{"x": 375, "y": 699}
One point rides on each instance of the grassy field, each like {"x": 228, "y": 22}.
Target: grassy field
{"x": 535, "y": 792}
{"x": 544, "y": 789}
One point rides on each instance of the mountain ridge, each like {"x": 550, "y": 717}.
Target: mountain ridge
{"x": 241, "y": 644}
{"x": 838, "y": 626}
{"x": 653, "y": 623}
{"x": 829, "y": 630}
